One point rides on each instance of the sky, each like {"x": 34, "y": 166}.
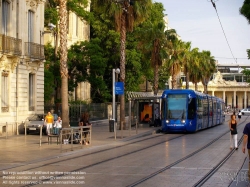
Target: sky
{"x": 196, "y": 21}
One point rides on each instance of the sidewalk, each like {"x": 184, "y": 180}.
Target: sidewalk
{"x": 21, "y": 149}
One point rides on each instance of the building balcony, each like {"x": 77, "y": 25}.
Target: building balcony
{"x": 10, "y": 45}
{"x": 34, "y": 51}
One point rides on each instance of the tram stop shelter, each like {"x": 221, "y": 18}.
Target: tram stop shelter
{"x": 144, "y": 108}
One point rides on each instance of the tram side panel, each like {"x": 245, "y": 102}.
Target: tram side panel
{"x": 199, "y": 113}
{"x": 205, "y": 115}
{"x": 191, "y": 122}
{"x": 215, "y": 113}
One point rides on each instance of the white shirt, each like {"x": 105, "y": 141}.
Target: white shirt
{"x": 58, "y": 124}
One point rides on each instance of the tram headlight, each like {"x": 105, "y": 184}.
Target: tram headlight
{"x": 183, "y": 121}
{"x": 167, "y": 121}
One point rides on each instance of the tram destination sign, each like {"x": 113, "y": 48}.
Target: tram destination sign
{"x": 119, "y": 88}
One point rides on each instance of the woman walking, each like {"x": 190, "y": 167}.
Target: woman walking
{"x": 233, "y": 130}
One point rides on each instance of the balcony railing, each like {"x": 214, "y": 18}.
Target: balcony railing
{"x": 35, "y": 51}
{"x": 10, "y": 45}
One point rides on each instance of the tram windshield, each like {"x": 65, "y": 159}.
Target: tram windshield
{"x": 176, "y": 106}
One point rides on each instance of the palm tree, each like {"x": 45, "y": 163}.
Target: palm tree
{"x": 126, "y": 14}
{"x": 208, "y": 67}
{"x": 175, "y": 61}
{"x": 186, "y": 61}
{"x": 153, "y": 42}
{"x": 203, "y": 67}
{"x": 63, "y": 61}
{"x": 195, "y": 72}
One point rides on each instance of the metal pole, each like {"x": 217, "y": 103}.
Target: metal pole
{"x": 113, "y": 101}
{"x": 137, "y": 117}
{"x": 129, "y": 122}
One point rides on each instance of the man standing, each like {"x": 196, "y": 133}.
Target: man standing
{"x": 246, "y": 141}
{"x": 49, "y": 119}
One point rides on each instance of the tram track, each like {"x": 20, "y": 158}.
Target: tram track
{"x": 126, "y": 154}
{"x": 87, "y": 154}
{"x": 133, "y": 152}
{"x": 203, "y": 179}
{"x": 218, "y": 166}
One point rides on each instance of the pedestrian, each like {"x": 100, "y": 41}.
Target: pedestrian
{"x": 246, "y": 141}
{"x": 57, "y": 125}
{"x": 84, "y": 121}
{"x": 233, "y": 132}
{"x": 239, "y": 115}
{"x": 49, "y": 119}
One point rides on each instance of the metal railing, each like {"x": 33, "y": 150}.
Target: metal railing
{"x": 10, "y": 45}
{"x": 68, "y": 137}
{"x": 34, "y": 50}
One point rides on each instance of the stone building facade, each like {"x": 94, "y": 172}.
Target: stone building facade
{"x": 236, "y": 94}
{"x": 78, "y": 30}
{"x": 21, "y": 62}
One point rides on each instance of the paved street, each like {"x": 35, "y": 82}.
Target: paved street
{"x": 143, "y": 159}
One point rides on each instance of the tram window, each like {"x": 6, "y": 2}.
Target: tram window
{"x": 199, "y": 102}
{"x": 191, "y": 109}
{"x": 176, "y": 106}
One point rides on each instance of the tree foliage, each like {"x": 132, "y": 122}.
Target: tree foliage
{"x": 245, "y": 10}
{"x": 79, "y": 7}
{"x": 246, "y": 72}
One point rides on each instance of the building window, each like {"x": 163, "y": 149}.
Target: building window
{"x": 5, "y": 16}
{"x": 68, "y": 23}
{"x": 76, "y": 26}
{"x": 30, "y": 26}
{"x": 5, "y": 94}
{"x": 31, "y": 92}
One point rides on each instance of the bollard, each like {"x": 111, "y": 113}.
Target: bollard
{"x": 6, "y": 133}
{"x": 71, "y": 140}
{"x": 17, "y": 132}
{"x": 41, "y": 135}
{"x": 90, "y": 132}
{"x": 136, "y": 126}
{"x": 121, "y": 129}
{"x": 61, "y": 140}
{"x": 81, "y": 129}
{"x": 25, "y": 129}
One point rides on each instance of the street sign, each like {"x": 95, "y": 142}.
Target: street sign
{"x": 119, "y": 88}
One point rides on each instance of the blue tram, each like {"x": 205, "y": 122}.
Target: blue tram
{"x": 190, "y": 111}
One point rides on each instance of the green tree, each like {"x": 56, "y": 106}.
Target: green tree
{"x": 63, "y": 61}
{"x": 153, "y": 41}
{"x": 175, "y": 63}
{"x": 88, "y": 63}
{"x": 246, "y": 72}
{"x": 208, "y": 67}
{"x": 125, "y": 15}
{"x": 51, "y": 15}
{"x": 245, "y": 11}
{"x": 51, "y": 74}
{"x": 195, "y": 73}
{"x": 186, "y": 61}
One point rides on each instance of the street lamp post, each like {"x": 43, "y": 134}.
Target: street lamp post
{"x": 113, "y": 101}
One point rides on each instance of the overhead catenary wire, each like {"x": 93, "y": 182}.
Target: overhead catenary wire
{"x": 214, "y": 5}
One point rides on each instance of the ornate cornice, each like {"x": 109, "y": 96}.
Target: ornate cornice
{"x": 34, "y": 3}
{"x": 33, "y": 66}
